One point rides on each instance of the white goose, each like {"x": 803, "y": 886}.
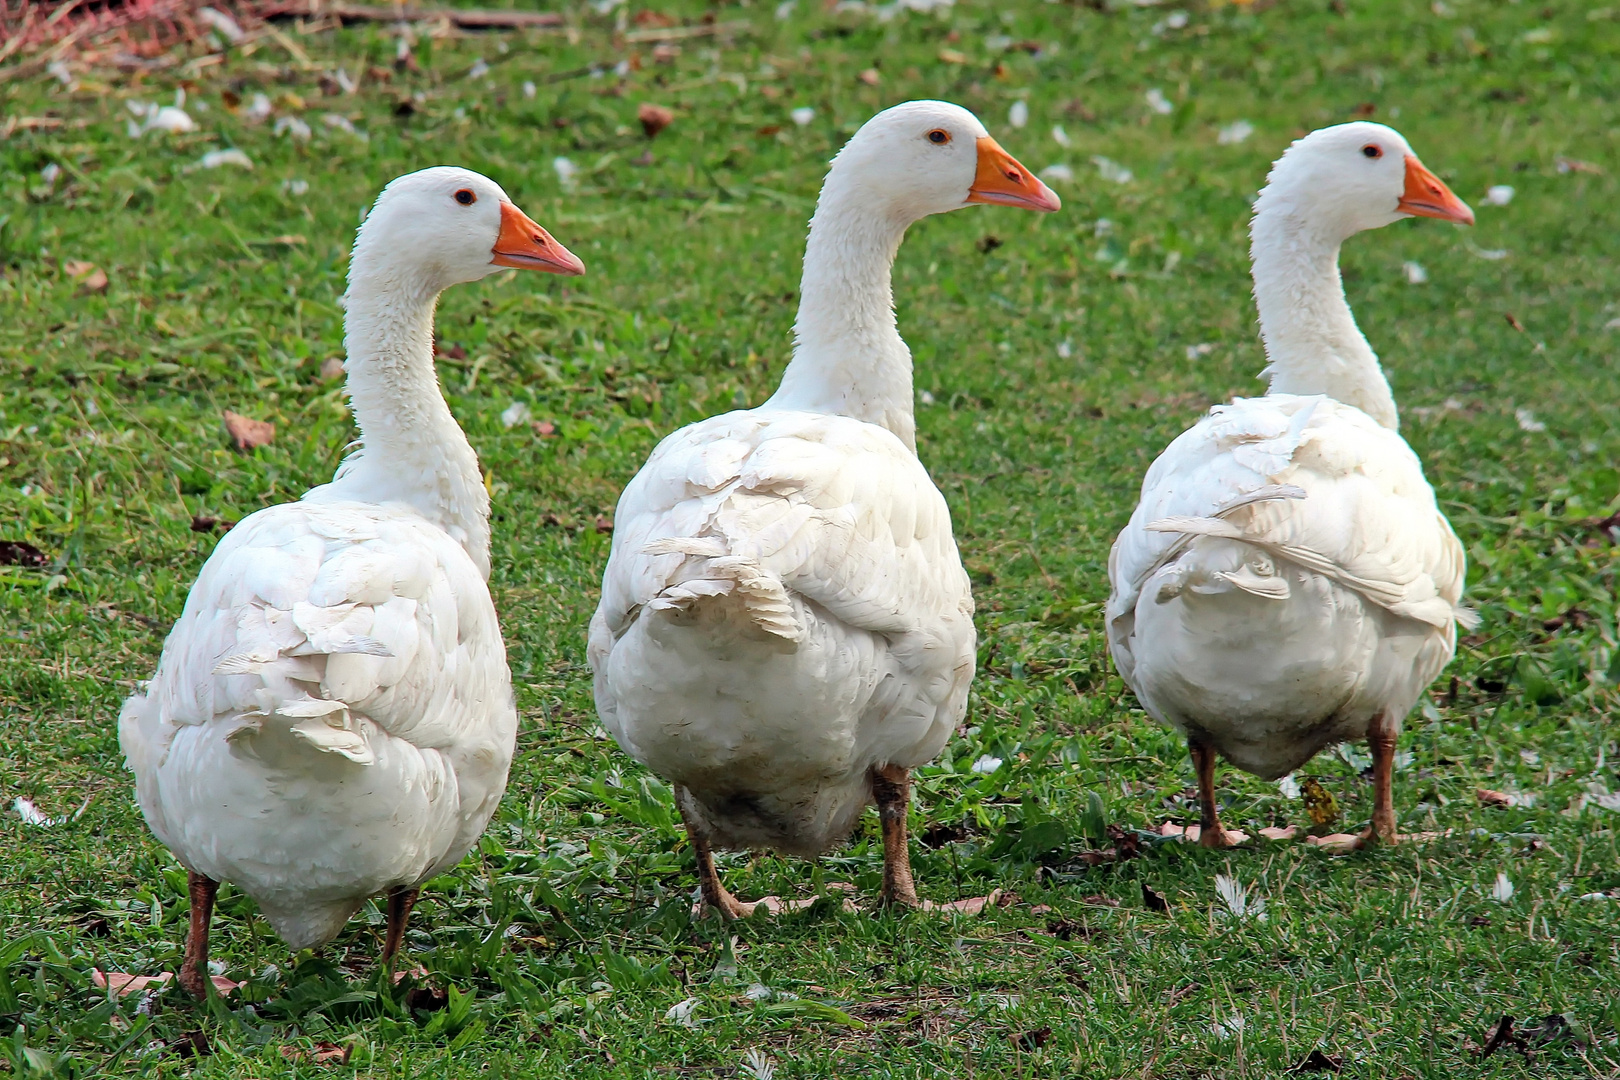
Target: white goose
{"x": 1287, "y": 581}
{"x": 785, "y": 627}
{"x": 332, "y": 716}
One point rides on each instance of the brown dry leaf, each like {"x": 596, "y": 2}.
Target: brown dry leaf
{"x": 655, "y": 19}
{"x": 332, "y": 368}
{"x": 870, "y": 77}
{"x": 191, "y": 1044}
{"x": 1500, "y": 1035}
{"x": 973, "y": 905}
{"x": 1030, "y": 1041}
{"x": 21, "y": 553}
{"x": 654, "y": 118}
{"x": 545, "y": 429}
{"x": 1567, "y": 165}
{"x": 322, "y": 1053}
{"x": 1280, "y": 834}
{"x": 1335, "y": 843}
{"x": 1181, "y": 992}
{"x": 91, "y": 278}
{"x": 124, "y": 984}
{"x": 1316, "y": 1061}
{"x": 1487, "y": 797}
{"x": 247, "y": 433}
{"x": 951, "y": 56}
{"x": 604, "y": 524}
{"x": 1153, "y": 899}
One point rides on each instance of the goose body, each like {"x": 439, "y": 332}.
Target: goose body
{"x": 1287, "y": 581}
{"x": 785, "y": 626}
{"x": 790, "y": 611}
{"x": 332, "y": 716}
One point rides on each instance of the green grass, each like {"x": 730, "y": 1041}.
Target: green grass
{"x": 566, "y": 937}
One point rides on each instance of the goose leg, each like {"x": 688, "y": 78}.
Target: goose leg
{"x": 1210, "y": 832}
{"x": 1381, "y": 740}
{"x": 400, "y": 902}
{"x": 716, "y": 896}
{"x": 194, "y": 964}
{"x": 891, "y": 789}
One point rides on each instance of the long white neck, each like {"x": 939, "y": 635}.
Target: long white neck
{"x": 411, "y": 448}
{"x": 1312, "y": 342}
{"x": 848, "y": 358}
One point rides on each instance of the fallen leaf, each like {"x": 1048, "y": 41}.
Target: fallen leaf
{"x": 332, "y": 368}
{"x": 1099, "y": 900}
{"x": 21, "y": 553}
{"x": 91, "y": 278}
{"x": 1181, "y": 992}
{"x": 1126, "y": 844}
{"x": 1319, "y": 802}
{"x": 545, "y": 429}
{"x": 604, "y": 524}
{"x": 654, "y": 118}
{"x": 870, "y": 77}
{"x": 322, "y": 1053}
{"x": 1153, "y": 899}
{"x": 1479, "y": 920}
{"x": 191, "y": 1044}
{"x": 973, "y": 905}
{"x": 1030, "y": 1041}
{"x": 1316, "y": 1061}
{"x": 247, "y": 433}
{"x": 426, "y": 999}
{"x": 124, "y": 984}
{"x": 1171, "y": 829}
{"x": 1487, "y": 797}
{"x": 1553, "y": 1029}
{"x": 201, "y": 524}
{"x": 1500, "y": 1035}
{"x": 988, "y": 244}
{"x": 938, "y": 833}
{"x": 93, "y": 925}
{"x": 1280, "y": 834}
{"x": 1335, "y": 843}
{"x": 1568, "y": 165}
{"x": 1513, "y": 321}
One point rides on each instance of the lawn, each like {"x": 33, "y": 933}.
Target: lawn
{"x": 1055, "y": 356}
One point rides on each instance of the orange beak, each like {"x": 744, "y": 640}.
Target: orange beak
{"x": 1426, "y": 196}
{"x": 527, "y": 246}
{"x": 1004, "y": 182}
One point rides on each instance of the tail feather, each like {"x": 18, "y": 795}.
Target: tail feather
{"x": 714, "y": 577}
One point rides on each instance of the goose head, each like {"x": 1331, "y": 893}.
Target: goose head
{"x": 446, "y": 226}
{"x": 1358, "y": 176}
{"x": 929, "y": 157}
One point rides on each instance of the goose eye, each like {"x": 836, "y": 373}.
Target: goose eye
{"x": 939, "y": 136}
{"x": 465, "y": 197}
{"x": 1372, "y": 150}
